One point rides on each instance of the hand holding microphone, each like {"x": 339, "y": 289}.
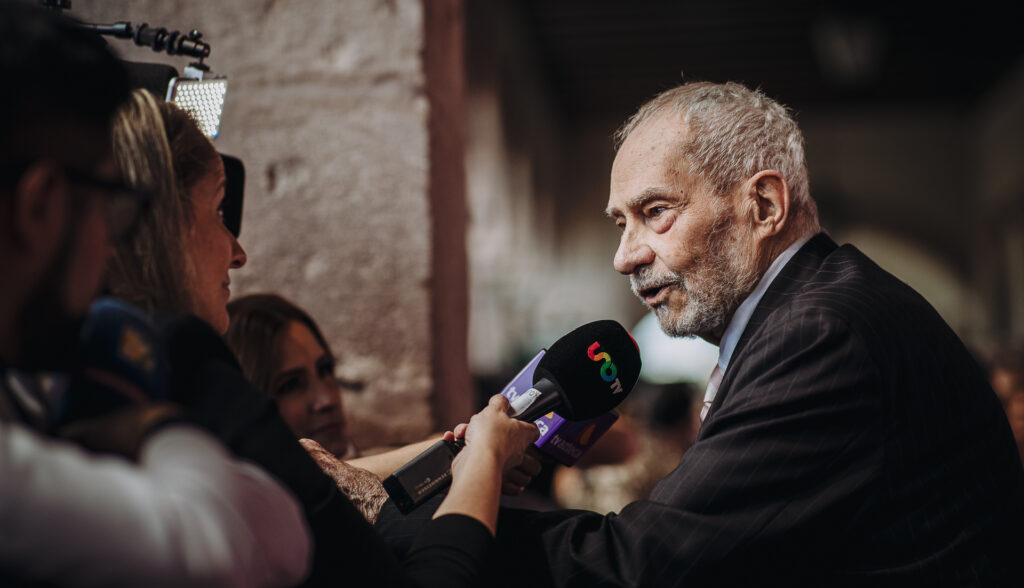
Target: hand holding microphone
{"x": 492, "y": 430}
{"x": 584, "y": 374}
{"x": 518, "y": 473}
{"x": 493, "y": 441}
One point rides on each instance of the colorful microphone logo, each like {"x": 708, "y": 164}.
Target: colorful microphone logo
{"x": 608, "y": 369}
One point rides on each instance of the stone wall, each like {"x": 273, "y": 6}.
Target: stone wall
{"x": 328, "y": 107}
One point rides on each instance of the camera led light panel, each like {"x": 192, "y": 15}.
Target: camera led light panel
{"x": 203, "y": 99}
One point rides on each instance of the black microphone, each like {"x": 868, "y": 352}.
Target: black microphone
{"x": 583, "y": 375}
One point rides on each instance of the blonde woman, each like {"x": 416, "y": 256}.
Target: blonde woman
{"x": 179, "y": 261}
{"x": 180, "y": 256}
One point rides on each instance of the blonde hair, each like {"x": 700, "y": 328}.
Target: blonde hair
{"x": 733, "y": 133}
{"x": 158, "y": 147}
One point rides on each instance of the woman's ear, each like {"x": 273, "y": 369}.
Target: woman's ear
{"x": 770, "y": 192}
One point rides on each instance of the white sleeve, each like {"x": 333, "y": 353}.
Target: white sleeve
{"x": 187, "y": 514}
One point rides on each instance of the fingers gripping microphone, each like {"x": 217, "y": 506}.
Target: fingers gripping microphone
{"x": 583, "y": 375}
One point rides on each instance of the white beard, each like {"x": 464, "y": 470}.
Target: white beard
{"x": 724, "y": 274}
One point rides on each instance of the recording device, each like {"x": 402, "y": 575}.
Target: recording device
{"x": 583, "y": 375}
{"x": 120, "y": 362}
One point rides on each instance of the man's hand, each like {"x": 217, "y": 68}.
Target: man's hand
{"x": 360, "y": 486}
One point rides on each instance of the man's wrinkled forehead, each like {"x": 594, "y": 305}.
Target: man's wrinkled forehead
{"x": 666, "y": 126}
{"x": 650, "y": 159}
{"x": 659, "y": 140}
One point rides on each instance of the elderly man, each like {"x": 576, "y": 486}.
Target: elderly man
{"x": 848, "y": 438}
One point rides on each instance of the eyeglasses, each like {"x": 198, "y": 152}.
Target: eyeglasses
{"x": 123, "y": 204}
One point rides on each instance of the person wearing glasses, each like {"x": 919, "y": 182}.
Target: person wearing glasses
{"x": 174, "y": 508}
{"x": 177, "y": 266}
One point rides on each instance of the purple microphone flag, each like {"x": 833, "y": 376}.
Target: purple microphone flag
{"x": 563, "y": 440}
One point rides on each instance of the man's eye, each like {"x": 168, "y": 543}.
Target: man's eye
{"x": 655, "y": 211}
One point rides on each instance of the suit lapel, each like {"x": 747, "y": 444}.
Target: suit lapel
{"x": 794, "y": 276}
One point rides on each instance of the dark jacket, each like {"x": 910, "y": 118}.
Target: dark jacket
{"x": 853, "y": 441}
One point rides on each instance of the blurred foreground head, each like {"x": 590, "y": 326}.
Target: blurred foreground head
{"x": 60, "y": 199}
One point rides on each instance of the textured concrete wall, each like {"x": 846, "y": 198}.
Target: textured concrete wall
{"x": 327, "y": 106}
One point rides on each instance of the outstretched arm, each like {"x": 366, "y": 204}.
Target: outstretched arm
{"x": 382, "y": 464}
{"x": 494, "y": 442}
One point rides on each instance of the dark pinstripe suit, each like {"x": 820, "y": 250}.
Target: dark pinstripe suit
{"x": 853, "y": 441}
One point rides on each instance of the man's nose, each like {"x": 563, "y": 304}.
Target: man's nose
{"x": 632, "y": 252}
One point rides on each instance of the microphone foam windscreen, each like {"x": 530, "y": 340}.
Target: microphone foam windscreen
{"x": 595, "y": 365}
{"x": 121, "y": 339}
{"x": 120, "y": 361}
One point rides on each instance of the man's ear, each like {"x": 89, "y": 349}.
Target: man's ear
{"x": 38, "y": 208}
{"x": 770, "y": 192}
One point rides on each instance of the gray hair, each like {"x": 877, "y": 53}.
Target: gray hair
{"x": 734, "y": 133}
